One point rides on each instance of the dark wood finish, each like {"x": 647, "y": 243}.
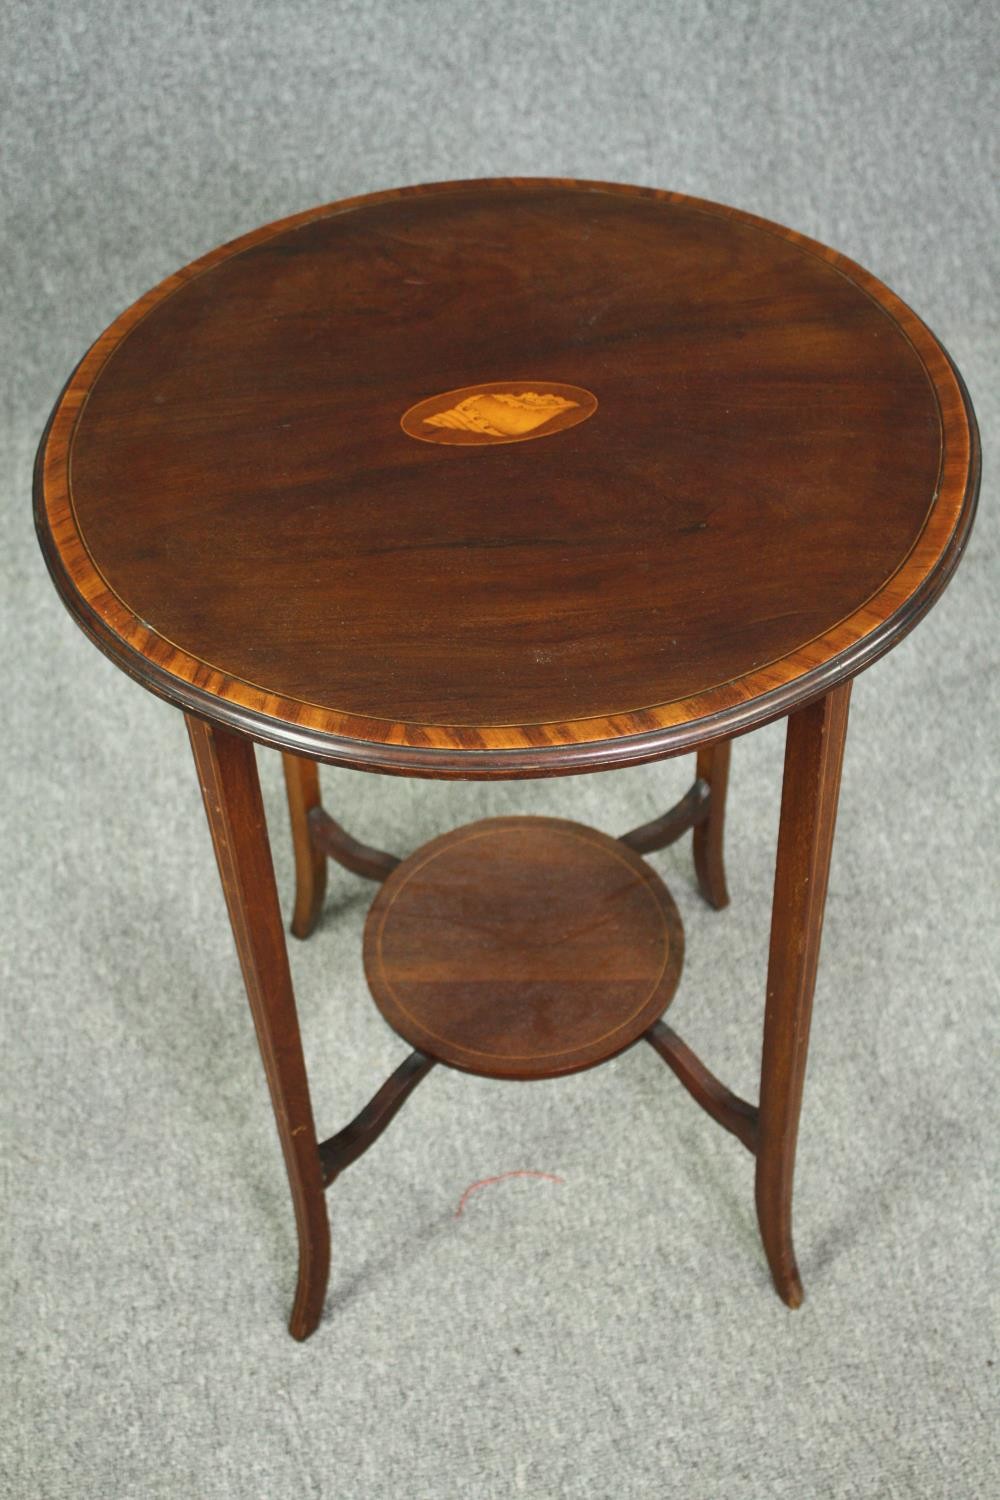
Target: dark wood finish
{"x": 291, "y": 491}
{"x": 316, "y": 837}
{"x": 336, "y": 843}
{"x": 227, "y": 772}
{"x": 726, "y": 1108}
{"x": 814, "y": 753}
{"x": 302, "y": 788}
{"x": 660, "y": 832}
{"x": 702, "y": 809}
{"x": 713, "y": 770}
{"x": 777, "y": 480}
{"x": 364, "y": 1130}
{"x": 523, "y": 948}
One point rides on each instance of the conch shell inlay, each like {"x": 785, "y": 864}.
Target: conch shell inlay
{"x": 498, "y": 412}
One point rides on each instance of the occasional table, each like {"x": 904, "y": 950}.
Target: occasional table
{"x": 508, "y": 479}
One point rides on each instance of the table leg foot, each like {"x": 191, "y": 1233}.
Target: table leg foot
{"x": 779, "y": 1249}
{"x": 310, "y": 1290}
{"x": 814, "y": 751}
{"x": 227, "y": 772}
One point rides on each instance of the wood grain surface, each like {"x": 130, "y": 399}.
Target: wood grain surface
{"x": 776, "y": 481}
{"x": 523, "y": 947}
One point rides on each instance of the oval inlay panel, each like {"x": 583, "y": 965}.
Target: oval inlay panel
{"x": 500, "y": 411}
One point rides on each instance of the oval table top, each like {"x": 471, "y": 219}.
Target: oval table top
{"x": 507, "y": 478}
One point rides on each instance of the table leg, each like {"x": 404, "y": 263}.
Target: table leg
{"x": 316, "y": 837}
{"x": 302, "y": 786}
{"x": 713, "y": 769}
{"x": 814, "y": 750}
{"x": 703, "y": 810}
{"x": 227, "y": 771}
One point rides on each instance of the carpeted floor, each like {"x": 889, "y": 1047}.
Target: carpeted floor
{"x": 612, "y": 1334}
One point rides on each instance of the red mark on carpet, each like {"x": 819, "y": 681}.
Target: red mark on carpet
{"x": 489, "y": 1182}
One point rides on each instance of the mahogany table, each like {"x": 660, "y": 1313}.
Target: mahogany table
{"x": 507, "y": 479}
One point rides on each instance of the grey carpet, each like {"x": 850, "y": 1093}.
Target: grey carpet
{"x": 615, "y": 1334}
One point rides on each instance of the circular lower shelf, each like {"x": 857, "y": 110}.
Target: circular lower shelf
{"x": 523, "y": 947}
